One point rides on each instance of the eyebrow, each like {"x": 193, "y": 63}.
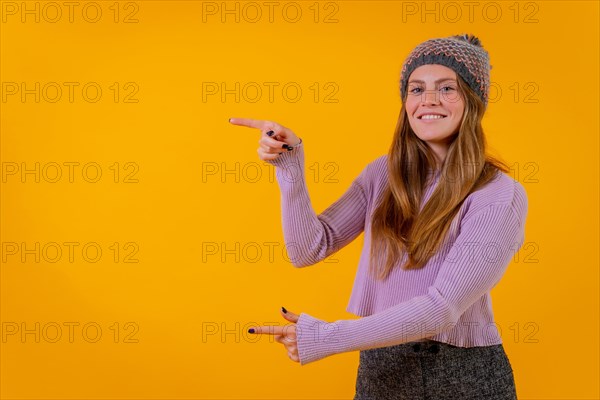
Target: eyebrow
{"x": 437, "y": 81}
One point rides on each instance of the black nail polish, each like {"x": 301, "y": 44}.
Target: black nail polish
{"x": 270, "y": 133}
{"x": 251, "y": 330}
{"x": 284, "y": 310}
{"x": 290, "y": 148}
{"x": 229, "y": 119}
{"x": 285, "y": 145}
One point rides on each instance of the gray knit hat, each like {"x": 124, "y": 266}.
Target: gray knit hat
{"x": 462, "y": 53}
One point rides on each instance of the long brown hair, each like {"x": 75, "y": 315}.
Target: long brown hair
{"x": 398, "y": 226}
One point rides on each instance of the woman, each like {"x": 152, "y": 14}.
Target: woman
{"x": 442, "y": 221}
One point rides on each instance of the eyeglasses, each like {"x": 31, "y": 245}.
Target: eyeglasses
{"x": 447, "y": 93}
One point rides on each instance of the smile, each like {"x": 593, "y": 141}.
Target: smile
{"x": 431, "y": 117}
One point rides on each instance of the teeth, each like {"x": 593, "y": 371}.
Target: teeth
{"x": 431, "y": 116}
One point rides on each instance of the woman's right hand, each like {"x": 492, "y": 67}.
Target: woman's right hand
{"x": 274, "y": 139}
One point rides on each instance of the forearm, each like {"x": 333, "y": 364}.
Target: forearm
{"x": 417, "y": 318}
{"x": 309, "y": 237}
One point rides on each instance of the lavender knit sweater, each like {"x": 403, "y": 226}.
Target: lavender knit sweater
{"x": 448, "y": 300}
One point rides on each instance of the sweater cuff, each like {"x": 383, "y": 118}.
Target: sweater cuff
{"x": 290, "y": 164}
{"x": 316, "y": 339}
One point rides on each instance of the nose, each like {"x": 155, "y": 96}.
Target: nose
{"x": 430, "y": 97}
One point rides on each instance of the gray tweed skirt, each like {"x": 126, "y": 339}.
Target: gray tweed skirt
{"x": 431, "y": 370}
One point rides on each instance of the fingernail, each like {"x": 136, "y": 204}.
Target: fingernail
{"x": 251, "y": 330}
{"x": 285, "y": 145}
{"x": 270, "y": 133}
{"x": 229, "y": 119}
{"x": 284, "y": 310}
{"x": 290, "y": 148}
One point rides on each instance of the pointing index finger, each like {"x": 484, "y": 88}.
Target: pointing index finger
{"x": 250, "y": 123}
{"x": 271, "y": 330}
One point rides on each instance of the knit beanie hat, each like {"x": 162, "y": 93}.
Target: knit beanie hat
{"x": 462, "y": 53}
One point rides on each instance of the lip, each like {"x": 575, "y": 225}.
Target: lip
{"x": 431, "y": 120}
{"x": 430, "y": 112}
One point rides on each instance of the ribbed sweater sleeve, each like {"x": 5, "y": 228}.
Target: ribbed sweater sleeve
{"x": 473, "y": 266}
{"x": 310, "y": 238}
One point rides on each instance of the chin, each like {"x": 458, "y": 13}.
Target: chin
{"x": 433, "y": 136}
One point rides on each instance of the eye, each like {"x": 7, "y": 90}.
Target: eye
{"x": 448, "y": 87}
{"x": 413, "y": 90}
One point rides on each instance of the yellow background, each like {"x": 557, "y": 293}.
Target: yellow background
{"x": 542, "y": 119}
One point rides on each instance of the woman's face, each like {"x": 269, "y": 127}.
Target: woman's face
{"x": 433, "y": 90}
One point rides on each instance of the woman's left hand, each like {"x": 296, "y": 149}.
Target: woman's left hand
{"x": 285, "y": 335}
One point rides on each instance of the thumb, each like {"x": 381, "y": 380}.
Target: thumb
{"x": 290, "y": 316}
